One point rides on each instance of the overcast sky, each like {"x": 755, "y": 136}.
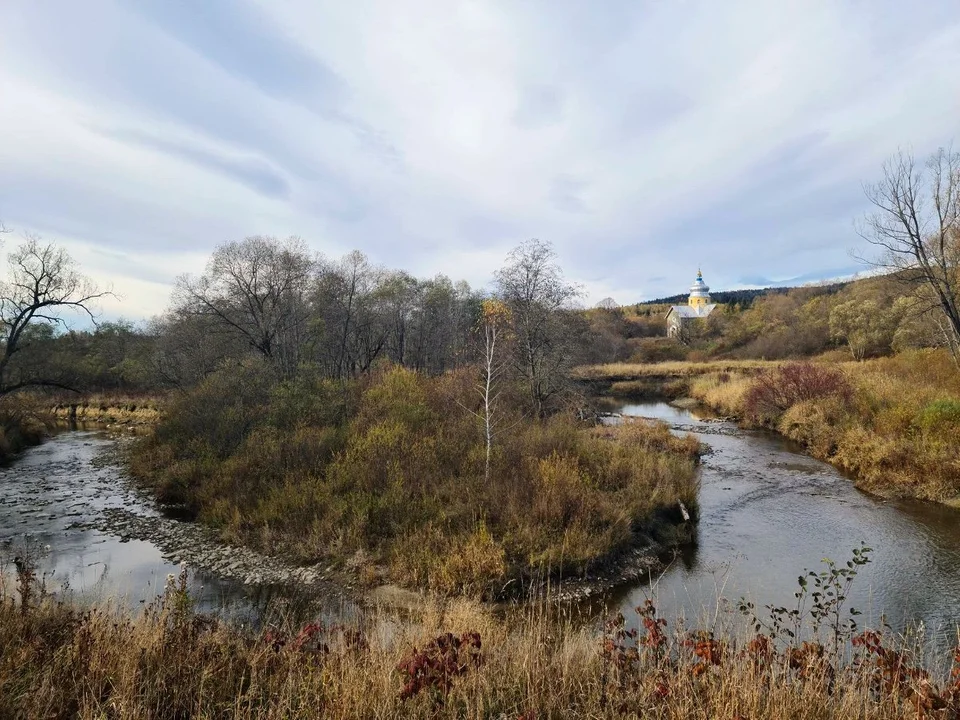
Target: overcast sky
{"x": 642, "y": 138}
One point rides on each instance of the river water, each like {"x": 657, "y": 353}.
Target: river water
{"x": 75, "y": 516}
{"x": 767, "y": 512}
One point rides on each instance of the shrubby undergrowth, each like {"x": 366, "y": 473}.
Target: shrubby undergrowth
{"x": 386, "y": 473}
{"x": 21, "y": 425}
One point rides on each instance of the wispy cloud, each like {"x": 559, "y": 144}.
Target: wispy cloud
{"x": 641, "y": 138}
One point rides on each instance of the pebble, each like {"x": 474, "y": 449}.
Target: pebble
{"x": 198, "y": 547}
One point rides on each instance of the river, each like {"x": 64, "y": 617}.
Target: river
{"x": 768, "y": 511}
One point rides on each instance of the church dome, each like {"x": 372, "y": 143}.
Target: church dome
{"x": 699, "y": 287}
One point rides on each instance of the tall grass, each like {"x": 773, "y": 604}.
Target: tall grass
{"x": 388, "y": 474}
{"x": 635, "y": 371}
{"x": 109, "y": 408}
{"x": 448, "y": 659}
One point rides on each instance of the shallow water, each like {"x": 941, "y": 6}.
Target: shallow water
{"x": 767, "y": 512}
{"x": 53, "y": 493}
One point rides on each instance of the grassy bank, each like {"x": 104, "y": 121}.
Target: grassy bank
{"x": 671, "y": 379}
{"x": 385, "y": 476}
{"x": 613, "y": 372}
{"x": 110, "y": 409}
{"x": 893, "y": 423}
{"x": 446, "y": 660}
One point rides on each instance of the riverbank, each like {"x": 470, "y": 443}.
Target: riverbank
{"x": 21, "y": 426}
{"x": 447, "y": 659}
{"x": 892, "y": 423}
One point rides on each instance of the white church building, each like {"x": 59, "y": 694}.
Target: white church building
{"x": 698, "y": 307}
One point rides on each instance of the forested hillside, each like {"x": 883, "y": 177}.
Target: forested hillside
{"x": 742, "y": 298}
{"x": 863, "y": 318}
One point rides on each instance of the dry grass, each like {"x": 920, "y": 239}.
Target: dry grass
{"x": 898, "y": 434}
{"x": 723, "y": 392}
{"x": 111, "y": 408}
{"x": 59, "y": 662}
{"x": 632, "y": 371}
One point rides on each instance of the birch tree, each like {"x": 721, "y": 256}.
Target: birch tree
{"x": 494, "y": 328}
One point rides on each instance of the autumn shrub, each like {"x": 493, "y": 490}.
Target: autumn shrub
{"x": 22, "y": 423}
{"x": 773, "y": 393}
{"x": 816, "y": 424}
{"x": 657, "y": 349}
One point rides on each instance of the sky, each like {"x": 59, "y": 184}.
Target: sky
{"x": 644, "y": 139}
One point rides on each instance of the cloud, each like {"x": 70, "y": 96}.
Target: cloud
{"x": 254, "y": 173}
{"x": 642, "y": 139}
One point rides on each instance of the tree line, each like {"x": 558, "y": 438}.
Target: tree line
{"x": 295, "y": 309}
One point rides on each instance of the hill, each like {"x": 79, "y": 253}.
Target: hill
{"x": 744, "y": 298}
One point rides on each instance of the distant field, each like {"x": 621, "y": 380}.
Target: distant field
{"x": 635, "y": 371}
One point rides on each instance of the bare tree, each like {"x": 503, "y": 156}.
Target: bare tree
{"x": 916, "y": 225}
{"x": 257, "y": 290}
{"x": 43, "y": 282}
{"x": 352, "y": 316}
{"x": 188, "y": 348}
{"x": 533, "y": 287}
{"x": 399, "y": 294}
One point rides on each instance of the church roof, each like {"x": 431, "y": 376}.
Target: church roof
{"x": 699, "y": 287}
{"x": 685, "y": 311}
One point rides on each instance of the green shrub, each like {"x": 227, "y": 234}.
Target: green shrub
{"x": 941, "y": 415}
